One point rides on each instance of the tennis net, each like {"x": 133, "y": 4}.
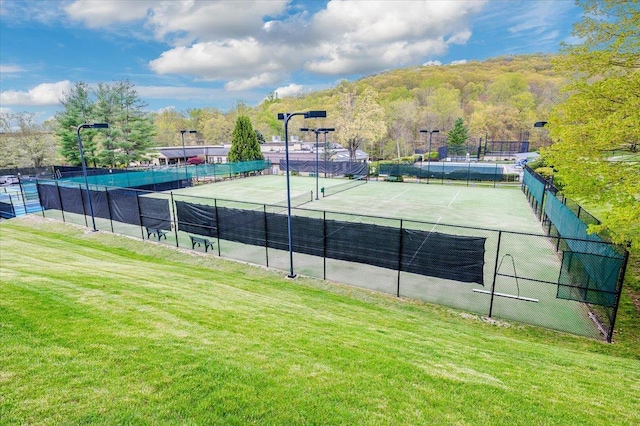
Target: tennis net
{"x": 352, "y": 183}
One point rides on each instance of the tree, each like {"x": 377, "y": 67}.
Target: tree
{"x": 244, "y": 143}
{"x": 360, "y": 119}
{"x": 602, "y": 114}
{"x": 78, "y": 109}
{"x": 402, "y": 117}
{"x": 457, "y": 138}
{"x": 24, "y": 143}
{"x": 130, "y": 130}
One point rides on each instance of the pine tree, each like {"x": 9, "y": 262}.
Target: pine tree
{"x": 244, "y": 143}
{"x": 457, "y": 138}
{"x": 78, "y": 109}
{"x": 130, "y": 130}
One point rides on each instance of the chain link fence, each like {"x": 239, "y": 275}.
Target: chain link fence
{"x": 559, "y": 281}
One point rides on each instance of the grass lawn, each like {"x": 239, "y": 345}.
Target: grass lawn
{"x": 106, "y": 329}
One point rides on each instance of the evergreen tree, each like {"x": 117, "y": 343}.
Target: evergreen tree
{"x": 244, "y": 143}
{"x": 78, "y": 108}
{"x": 130, "y": 130}
{"x": 457, "y": 138}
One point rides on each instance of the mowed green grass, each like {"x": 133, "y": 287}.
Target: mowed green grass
{"x": 100, "y": 328}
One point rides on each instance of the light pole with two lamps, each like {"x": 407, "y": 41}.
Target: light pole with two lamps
{"x": 286, "y": 116}
{"x": 431, "y": 132}
{"x": 324, "y": 130}
{"x": 84, "y": 165}
{"x": 184, "y": 152}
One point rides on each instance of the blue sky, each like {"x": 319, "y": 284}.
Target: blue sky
{"x": 196, "y": 54}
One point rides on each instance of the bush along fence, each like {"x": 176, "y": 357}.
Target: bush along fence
{"x": 564, "y": 282}
{"x": 592, "y": 270}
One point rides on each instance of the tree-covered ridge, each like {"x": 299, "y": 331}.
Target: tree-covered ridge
{"x": 500, "y": 98}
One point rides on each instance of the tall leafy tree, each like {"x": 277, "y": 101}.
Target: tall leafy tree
{"x": 130, "y": 132}
{"x": 360, "y": 119}
{"x": 25, "y": 143}
{"x": 131, "y": 129}
{"x": 457, "y": 138}
{"x": 602, "y": 114}
{"x": 78, "y": 109}
{"x": 244, "y": 143}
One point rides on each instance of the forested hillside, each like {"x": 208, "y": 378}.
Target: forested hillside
{"x": 499, "y": 98}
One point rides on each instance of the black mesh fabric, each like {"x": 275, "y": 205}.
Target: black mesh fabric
{"x": 49, "y": 197}
{"x": 72, "y": 199}
{"x": 155, "y": 212}
{"x": 444, "y": 256}
{"x": 425, "y": 253}
{"x": 196, "y": 218}
{"x": 124, "y": 206}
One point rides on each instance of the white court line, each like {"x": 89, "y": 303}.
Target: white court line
{"x": 393, "y": 198}
{"x": 454, "y": 198}
{"x": 424, "y": 241}
{"x": 436, "y": 224}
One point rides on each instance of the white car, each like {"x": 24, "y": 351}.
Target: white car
{"x": 9, "y": 180}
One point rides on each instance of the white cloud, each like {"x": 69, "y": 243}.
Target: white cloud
{"x": 43, "y": 94}
{"x": 256, "y": 43}
{"x": 432, "y": 64}
{"x": 290, "y": 90}
{"x": 98, "y": 14}
{"x": 9, "y": 69}
{"x": 459, "y": 62}
{"x": 260, "y": 80}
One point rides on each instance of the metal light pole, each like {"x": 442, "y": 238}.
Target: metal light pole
{"x": 431, "y": 132}
{"x": 184, "y": 152}
{"x": 317, "y": 132}
{"x": 286, "y": 117}
{"x": 84, "y": 165}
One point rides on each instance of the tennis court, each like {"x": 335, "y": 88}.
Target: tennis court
{"x": 518, "y": 263}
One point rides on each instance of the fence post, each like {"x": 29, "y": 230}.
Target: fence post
{"x": 140, "y": 216}
{"x": 175, "y": 219}
{"x": 106, "y": 193}
{"x": 623, "y": 272}
{"x": 324, "y": 244}
{"x": 23, "y": 195}
{"x": 266, "y": 234}
{"x": 84, "y": 210}
{"x": 215, "y": 205}
{"x": 399, "y": 260}
{"x": 495, "y": 274}
{"x": 60, "y": 199}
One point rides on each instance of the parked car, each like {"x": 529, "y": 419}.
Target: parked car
{"x": 9, "y": 180}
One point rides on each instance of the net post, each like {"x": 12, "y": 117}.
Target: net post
{"x": 495, "y": 274}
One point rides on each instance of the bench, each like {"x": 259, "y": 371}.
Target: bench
{"x": 200, "y": 242}
{"x": 394, "y": 179}
{"x": 157, "y": 232}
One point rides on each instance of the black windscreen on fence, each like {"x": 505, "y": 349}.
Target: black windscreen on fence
{"x": 419, "y": 252}
{"x": 335, "y": 168}
{"x": 121, "y": 205}
{"x": 49, "y": 197}
{"x": 155, "y": 212}
{"x": 196, "y": 218}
